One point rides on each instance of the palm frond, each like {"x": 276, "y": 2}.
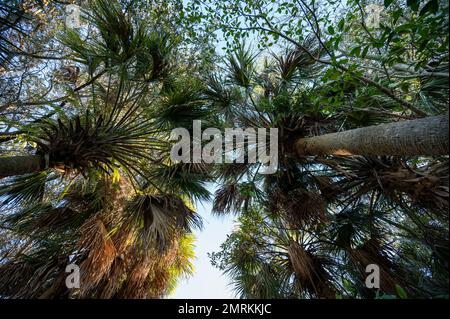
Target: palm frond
{"x": 241, "y": 66}
{"x": 99, "y": 251}
{"x": 309, "y": 272}
{"x": 187, "y": 179}
{"x": 95, "y": 141}
{"x": 156, "y": 219}
{"x": 24, "y": 189}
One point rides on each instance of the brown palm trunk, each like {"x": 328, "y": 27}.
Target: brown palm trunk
{"x": 425, "y": 136}
{"x": 18, "y": 165}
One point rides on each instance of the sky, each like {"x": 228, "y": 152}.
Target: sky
{"x": 207, "y": 282}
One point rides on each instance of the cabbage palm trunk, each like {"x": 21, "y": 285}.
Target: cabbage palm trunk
{"x": 425, "y": 136}
{"x": 19, "y": 165}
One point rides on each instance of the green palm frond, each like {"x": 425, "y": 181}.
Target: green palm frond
{"x": 97, "y": 141}
{"x": 24, "y": 189}
{"x": 235, "y": 197}
{"x": 187, "y": 179}
{"x": 351, "y": 226}
{"x": 122, "y": 42}
{"x": 41, "y": 219}
{"x": 227, "y": 199}
{"x": 256, "y": 281}
{"x": 180, "y": 104}
{"x": 86, "y": 53}
{"x": 223, "y": 97}
{"x": 288, "y": 65}
{"x": 114, "y": 26}
{"x": 241, "y": 66}
{"x": 159, "y": 45}
{"x": 296, "y": 65}
{"x": 434, "y": 93}
{"x": 182, "y": 266}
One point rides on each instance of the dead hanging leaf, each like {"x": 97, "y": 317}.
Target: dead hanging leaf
{"x": 100, "y": 250}
{"x": 372, "y": 253}
{"x": 155, "y": 220}
{"x": 134, "y": 286}
{"x": 311, "y": 276}
{"x": 301, "y": 262}
{"x": 307, "y": 208}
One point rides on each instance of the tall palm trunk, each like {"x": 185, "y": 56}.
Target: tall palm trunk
{"x": 18, "y": 165}
{"x": 425, "y": 136}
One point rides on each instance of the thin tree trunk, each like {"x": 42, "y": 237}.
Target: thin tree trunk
{"x": 18, "y": 165}
{"x": 425, "y": 136}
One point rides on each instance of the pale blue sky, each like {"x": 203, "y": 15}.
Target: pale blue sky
{"x": 208, "y": 282}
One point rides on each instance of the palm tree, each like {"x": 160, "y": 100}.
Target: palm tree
{"x": 426, "y": 136}
{"x": 356, "y": 184}
{"x": 339, "y": 211}
{"x": 265, "y": 258}
{"x": 98, "y": 228}
{"x": 97, "y": 187}
{"x": 86, "y": 141}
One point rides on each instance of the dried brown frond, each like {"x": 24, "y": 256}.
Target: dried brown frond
{"x": 55, "y": 219}
{"x": 394, "y": 177}
{"x": 310, "y": 274}
{"x": 328, "y": 189}
{"x": 135, "y": 286}
{"x": 227, "y": 199}
{"x": 155, "y": 220}
{"x": 300, "y": 207}
{"x": 99, "y": 250}
{"x": 14, "y": 276}
{"x": 372, "y": 252}
{"x": 157, "y": 284}
{"x": 115, "y": 278}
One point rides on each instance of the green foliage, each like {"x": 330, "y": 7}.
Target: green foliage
{"x": 107, "y": 192}
{"x": 98, "y": 107}
{"x": 240, "y": 66}
{"x": 310, "y": 230}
